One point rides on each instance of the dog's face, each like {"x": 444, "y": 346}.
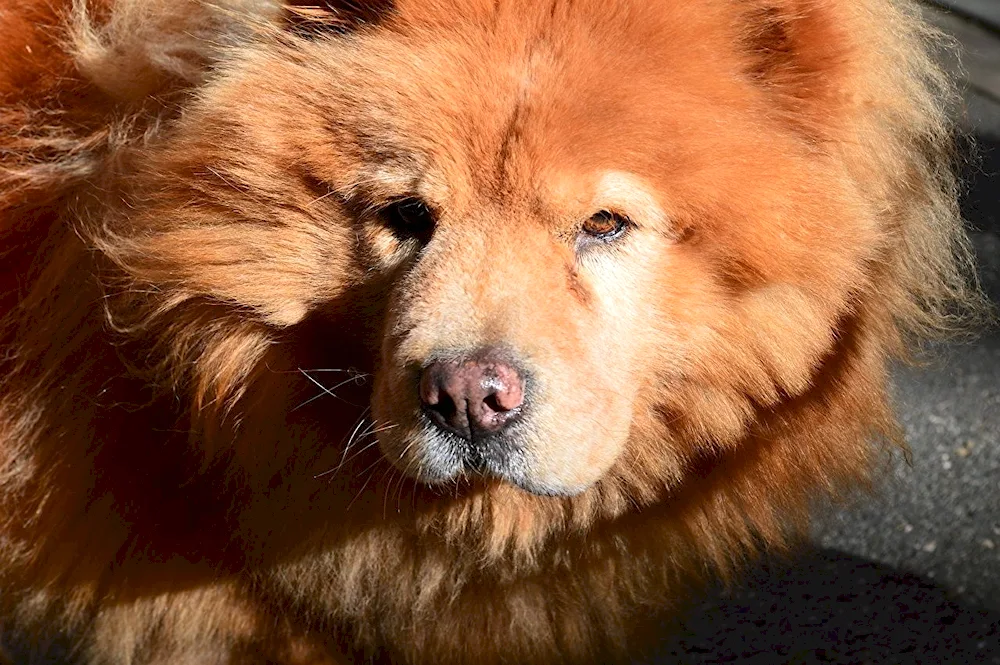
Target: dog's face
{"x": 524, "y": 247}
{"x": 586, "y": 242}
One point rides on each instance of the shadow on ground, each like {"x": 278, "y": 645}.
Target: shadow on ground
{"x": 981, "y": 207}
{"x": 828, "y": 607}
{"x": 981, "y": 202}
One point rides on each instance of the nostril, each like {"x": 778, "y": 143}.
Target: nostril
{"x": 434, "y": 391}
{"x": 440, "y": 396}
{"x": 492, "y": 402}
{"x": 445, "y": 406}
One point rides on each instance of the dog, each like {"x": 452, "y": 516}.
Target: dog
{"x": 447, "y": 331}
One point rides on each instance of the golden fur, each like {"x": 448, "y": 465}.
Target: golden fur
{"x": 186, "y": 224}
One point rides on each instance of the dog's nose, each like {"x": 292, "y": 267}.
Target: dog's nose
{"x": 472, "y": 398}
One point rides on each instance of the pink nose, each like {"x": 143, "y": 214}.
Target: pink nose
{"x": 471, "y": 398}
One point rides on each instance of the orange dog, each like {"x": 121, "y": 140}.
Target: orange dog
{"x": 445, "y": 331}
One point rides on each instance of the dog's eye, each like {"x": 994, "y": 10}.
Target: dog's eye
{"x": 605, "y": 225}
{"x": 410, "y": 218}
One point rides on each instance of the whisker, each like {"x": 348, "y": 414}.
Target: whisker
{"x": 350, "y": 441}
{"x": 373, "y": 430}
{"x": 320, "y": 370}
{"x": 405, "y": 474}
{"x": 324, "y": 388}
{"x": 367, "y": 446}
{"x": 368, "y": 480}
{"x": 325, "y": 391}
{"x": 344, "y": 460}
{"x": 368, "y": 430}
{"x": 357, "y": 426}
{"x": 391, "y": 471}
{"x": 355, "y": 372}
{"x": 341, "y": 465}
{"x": 413, "y": 486}
{"x": 383, "y": 429}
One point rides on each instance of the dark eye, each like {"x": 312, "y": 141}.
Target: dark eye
{"x": 410, "y": 218}
{"x": 605, "y": 226}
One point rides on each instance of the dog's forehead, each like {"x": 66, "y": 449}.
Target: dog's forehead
{"x": 503, "y": 107}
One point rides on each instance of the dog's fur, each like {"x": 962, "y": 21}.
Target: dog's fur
{"x": 189, "y": 246}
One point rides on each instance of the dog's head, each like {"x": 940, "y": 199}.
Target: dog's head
{"x": 582, "y": 241}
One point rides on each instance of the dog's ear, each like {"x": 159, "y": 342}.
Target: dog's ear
{"x": 802, "y": 52}
{"x": 134, "y": 48}
{"x": 314, "y": 18}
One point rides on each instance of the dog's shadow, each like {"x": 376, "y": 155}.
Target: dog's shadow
{"x": 981, "y": 175}
{"x": 824, "y": 606}
{"x": 981, "y": 207}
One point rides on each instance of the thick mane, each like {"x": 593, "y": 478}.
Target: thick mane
{"x": 109, "y": 394}
{"x": 905, "y": 156}
{"x": 83, "y": 84}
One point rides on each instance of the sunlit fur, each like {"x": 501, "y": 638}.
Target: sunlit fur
{"x": 199, "y": 304}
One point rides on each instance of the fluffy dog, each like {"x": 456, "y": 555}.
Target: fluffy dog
{"x": 445, "y": 331}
